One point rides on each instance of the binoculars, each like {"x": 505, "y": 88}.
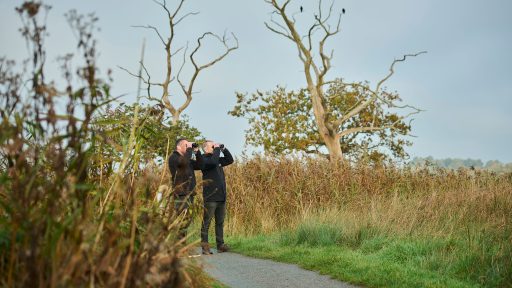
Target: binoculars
{"x": 195, "y": 145}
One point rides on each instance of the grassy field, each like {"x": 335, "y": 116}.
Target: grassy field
{"x": 373, "y": 260}
{"x": 376, "y": 226}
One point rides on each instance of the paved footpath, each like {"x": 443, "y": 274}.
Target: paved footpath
{"x": 236, "y": 270}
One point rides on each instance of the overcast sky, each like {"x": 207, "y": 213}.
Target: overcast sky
{"x": 464, "y": 82}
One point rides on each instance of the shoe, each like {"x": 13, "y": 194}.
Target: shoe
{"x": 223, "y": 248}
{"x": 205, "y": 247}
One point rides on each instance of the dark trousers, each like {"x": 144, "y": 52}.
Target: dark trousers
{"x": 182, "y": 208}
{"x": 217, "y": 209}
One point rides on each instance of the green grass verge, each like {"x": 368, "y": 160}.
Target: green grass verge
{"x": 368, "y": 258}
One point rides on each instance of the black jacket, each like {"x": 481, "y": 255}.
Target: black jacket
{"x": 182, "y": 171}
{"x": 214, "y": 182}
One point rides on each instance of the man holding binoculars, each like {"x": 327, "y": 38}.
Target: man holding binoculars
{"x": 214, "y": 193}
{"x": 182, "y": 166}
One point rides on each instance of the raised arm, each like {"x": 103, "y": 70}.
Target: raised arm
{"x": 227, "y": 159}
{"x": 175, "y": 162}
{"x": 212, "y": 162}
{"x": 198, "y": 164}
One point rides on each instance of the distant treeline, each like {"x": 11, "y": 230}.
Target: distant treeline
{"x": 456, "y": 163}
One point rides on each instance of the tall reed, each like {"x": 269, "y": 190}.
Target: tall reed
{"x": 269, "y": 194}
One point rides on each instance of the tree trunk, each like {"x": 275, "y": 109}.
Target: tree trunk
{"x": 334, "y": 147}
{"x": 331, "y": 140}
{"x": 175, "y": 118}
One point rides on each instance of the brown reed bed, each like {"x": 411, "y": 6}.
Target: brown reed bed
{"x": 271, "y": 194}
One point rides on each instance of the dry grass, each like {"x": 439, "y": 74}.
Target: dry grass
{"x": 268, "y": 195}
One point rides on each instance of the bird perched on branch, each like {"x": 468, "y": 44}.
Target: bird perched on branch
{"x": 301, "y": 9}
{"x": 343, "y": 10}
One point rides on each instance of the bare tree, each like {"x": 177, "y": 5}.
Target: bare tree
{"x": 174, "y": 18}
{"x": 317, "y": 62}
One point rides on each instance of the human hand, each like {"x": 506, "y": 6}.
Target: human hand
{"x": 195, "y": 147}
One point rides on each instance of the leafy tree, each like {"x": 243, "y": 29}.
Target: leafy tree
{"x": 155, "y": 132}
{"x": 311, "y": 47}
{"x": 283, "y": 122}
{"x": 456, "y": 163}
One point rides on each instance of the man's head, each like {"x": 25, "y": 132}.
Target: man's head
{"x": 181, "y": 145}
{"x": 208, "y": 146}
